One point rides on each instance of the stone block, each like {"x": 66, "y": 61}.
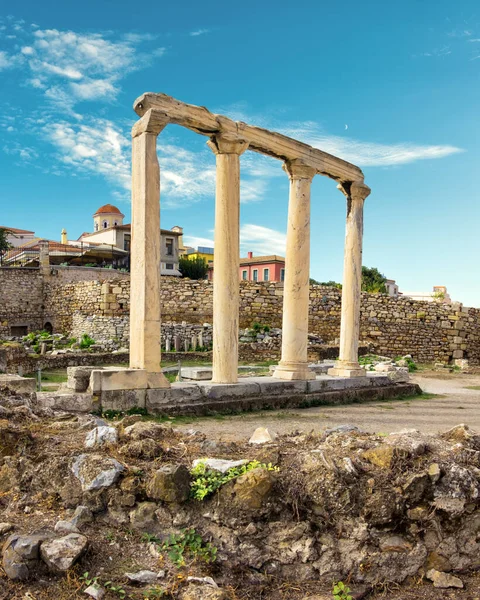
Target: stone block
{"x": 457, "y": 354}
{"x": 197, "y": 373}
{"x": 123, "y": 400}
{"x": 358, "y": 382}
{"x": 378, "y": 379}
{"x": 73, "y": 402}
{"x": 126, "y": 379}
{"x": 273, "y": 386}
{"x": 179, "y": 393}
{"x": 15, "y": 383}
{"x": 220, "y": 391}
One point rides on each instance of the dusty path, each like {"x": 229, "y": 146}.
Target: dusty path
{"x": 454, "y": 404}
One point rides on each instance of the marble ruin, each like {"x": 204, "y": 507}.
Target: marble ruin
{"x": 229, "y": 140}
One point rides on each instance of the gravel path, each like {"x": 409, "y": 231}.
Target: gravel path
{"x": 454, "y": 404}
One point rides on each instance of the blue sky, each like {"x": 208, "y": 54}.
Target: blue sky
{"x": 392, "y": 87}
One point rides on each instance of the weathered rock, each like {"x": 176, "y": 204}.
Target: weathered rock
{"x": 20, "y": 556}
{"x": 202, "y": 592}
{"x": 146, "y": 448}
{"x": 95, "y": 471}
{"x": 250, "y": 491}
{"x": 444, "y": 580}
{"x": 143, "y": 517}
{"x": 146, "y": 429}
{"x": 170, "y": 483}
{"x": 416, "y": 486}
{"x": 142, "y": 577}
{"x": 5, "y": 528}
{"x": 437, "y": 562}
{"x": 62, "y": 553}
{"x": 395, "y": 543}
{"x": 262, "y": 435}
{"x": 381, "y": 456}
{"x": 95, "y": 591}
{"x": 100, "y": 436}
{"x": 434, "y": 472}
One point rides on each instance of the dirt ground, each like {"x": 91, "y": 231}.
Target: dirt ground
{"x": 453, "y": 402}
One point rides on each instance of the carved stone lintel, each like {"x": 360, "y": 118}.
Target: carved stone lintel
{"x": 226, "y": 143}
{"x": 298, "y": 169}
{"x": 153, "y": 121}
{"x": 355, "y": 190}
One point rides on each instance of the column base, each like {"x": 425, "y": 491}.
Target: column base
{"x": 293, "y": 371}
{"x": 347, "y": 369}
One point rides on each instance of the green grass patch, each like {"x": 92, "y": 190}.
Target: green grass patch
{"x": 472, "y": 387}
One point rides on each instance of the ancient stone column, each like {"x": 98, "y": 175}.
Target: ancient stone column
{"x": 296, "y": 289}
{"x": 347, "y": 365}
{"x": 228, "y": 149}
{"x": 145, "y": 339}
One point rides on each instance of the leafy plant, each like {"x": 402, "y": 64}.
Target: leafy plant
{"x": 193, "y": 268}
{"x": 188, "y": 543}
{"x": 373, "y": 281}
{"x": 115, "y": 589}
{"x": 154, "y": 593}
{"x": 341, "y": 591}
{"x": 86, "y": 341}
{"x": 206, "y": 481}
{"x": 87, "y": 580}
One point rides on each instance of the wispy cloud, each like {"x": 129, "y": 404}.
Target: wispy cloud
{"x": 262, "y": 240}
{"x": 253, "y": 238}
{"x": 198, "y": 32}
{"x": 367, "y": 154}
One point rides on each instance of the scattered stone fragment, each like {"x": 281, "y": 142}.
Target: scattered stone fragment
{"x": 202, "y": 592}
{"x": 146, "y": 429}
{"x": 20, "y": 557}
{"x": 381, "y": 456}
{"x": 143, "y": 517}
{"x": 251, "y": 490}
{"x": 207, "y": 580}
{"x": 5, "y": 528}
{"x": 95, "y": 471}
{"x": 261, "y": 435}
{"x": 170, "y": 483}
{"x": 395, "y": 543}
{"x": 219, "y": 464}
{"x": 444, "y": 580}
{"x": 95, "y": 591}
{"x": 60, "y": 554}
{"x": 142, "y": 577}
{"x": 341, "y": 429}
{"x": 100, "y": 436}
{"x": 437, "y": 562}
{"x": 434, "y": 472}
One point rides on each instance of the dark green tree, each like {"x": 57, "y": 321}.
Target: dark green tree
{"x": 193, "y": 268}
{"x": 4, "y": 243}
{"x": 326, "y": 283}
{"x": 373, "y": 281}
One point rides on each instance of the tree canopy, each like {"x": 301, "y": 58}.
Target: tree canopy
{"x": 4, "y": 243}
{"x": 193, "y": 268}
{"x": 373, "y": 281}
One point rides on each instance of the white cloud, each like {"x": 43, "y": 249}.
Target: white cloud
{"x": 198, "y": 32}
{"x": 195, "y": 242}
{"x": 95, "y": 88}
{"x": 367, "y": 154}
{"x": 8, "y": 61}
{"x": 262, "y": 240}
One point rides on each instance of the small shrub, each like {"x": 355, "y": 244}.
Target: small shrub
{"x": 341, "y": 591}
{"x": 86, "y": 341}
{"x": 207, "y": 481}
{"x": 188, "y": 543}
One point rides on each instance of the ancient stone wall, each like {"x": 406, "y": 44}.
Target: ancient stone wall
{"x": 429, "y": 331}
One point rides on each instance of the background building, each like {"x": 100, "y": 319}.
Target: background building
{"x": 258, "y": 268}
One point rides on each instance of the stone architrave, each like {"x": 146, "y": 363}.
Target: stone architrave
{"x": 145, "y": 334}
{"x": 226, "y": 289}
{"x": 296, "y": 289}
{"x": 347, "y": 364}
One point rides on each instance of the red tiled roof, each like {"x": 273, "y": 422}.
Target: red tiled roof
{"x": 108, "y": 209}
{"x": 15, "y": 230}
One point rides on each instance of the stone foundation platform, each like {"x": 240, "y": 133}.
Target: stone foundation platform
{"x": 250, "y": 393}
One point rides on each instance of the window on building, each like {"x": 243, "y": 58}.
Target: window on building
{"x": 265, "y": 274}
{"x": 244, "y": 275}
{"x": 115, "y": 223}
{"x": 169, "y": 266}
{"x": 96, "y": 226}
{"x": 126, "y": 243}
{"x": 255, "y": 274}
{"x": 169, "y": 247}
{"x": 282, "y": 274}
{"x": 105, "y": 224}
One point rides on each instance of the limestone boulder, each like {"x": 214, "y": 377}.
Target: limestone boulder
{"x": 250, "y": 491}
{"x": 101, "y": 436}
{"x": 170, "y": 483}
{"x": 60, "y": 554}
{"x": 202, "y": 592}
{"x": 444, "y": 580}
{"x": 21, "y": 556}
{"x": 146, "y": 429}
{"x": 95, "y": 471}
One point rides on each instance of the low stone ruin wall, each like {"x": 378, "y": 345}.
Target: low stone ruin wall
{"x": 339, "y": 505}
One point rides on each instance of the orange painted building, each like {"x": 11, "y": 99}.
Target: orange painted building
{"x": 259, "y": 268}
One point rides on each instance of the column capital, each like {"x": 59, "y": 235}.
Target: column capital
{"x": 298, "y": 169}
{"x": 355, "y": 190}
{"x": 153, "y": 121}
{"x": 227, "y": 143}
